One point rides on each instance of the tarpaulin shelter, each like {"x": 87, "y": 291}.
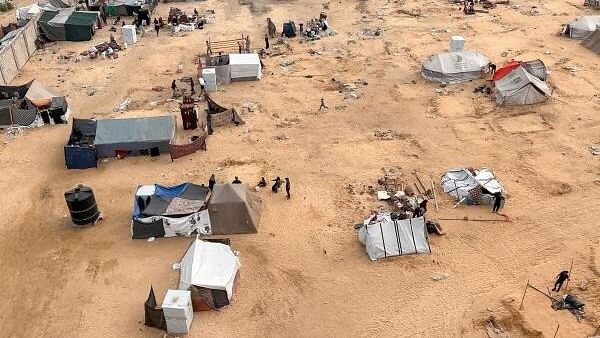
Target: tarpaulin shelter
{"x": 582, "y": 27}
{"x": 471, "y": 186}
{"x": 23, "y": 14}
{"x": 129, "y": 7}
{"x": 233, "y": 210}
{"x": 386, "y": 237}
{"x": 220, "y": 116}
{"x": 592, "y": 42}
{"x": 245, "y": 67}
{"x": 209, "y": 271}
{"x": 134, "y": 136}
{"x": 519, "y": 87}
{"x": 154, "y": 315}
{"x": 454, "y": 67}
{"x": 160, "y": 211}
{"x": 66, "y": 24}
{"x": 32, "y": 103}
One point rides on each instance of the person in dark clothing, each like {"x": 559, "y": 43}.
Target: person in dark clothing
{"x": 195, "y": 12}
{"x": 492, "y": 68}
{"x": 173, "y": 87}
{"x": 161, "y": 22}
{"x": 156, "y": 26}
{"x": 276, "y": 185}
{"x": 211, "y": 181}
{"x": 287, "y": 187}
{"x": 239, "y": 47}
{"x": 117, "y": 20}
{"x": 497, "y": 202}
{"x": 322, "y": 104}
{"x": 193, "y": 91}
{"x": 560, "y": 279}
{"x": 103, "y": 17}
{"x": 236, "y": 181}
{"x": 262, "y": 183}
{"x": 266, "y": 41}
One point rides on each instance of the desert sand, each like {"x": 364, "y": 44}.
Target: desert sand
{"x": 305, "y": 274}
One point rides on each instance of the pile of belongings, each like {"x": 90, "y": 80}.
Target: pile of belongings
{"x": 582, "y": 27}
{"x": 317, "y": 28}
{"x": 179, "y": 20}
{"x": 105, "y": 49}
{"x": 209, "y": 270}
{"x": 471, "y": 186}
{"x": 405, "y": 202}
{"x": 385, "y": 236}
{"x": 454, "y": 67}
{"x": 521, "y": 83}
{"x": 571, "y": 303}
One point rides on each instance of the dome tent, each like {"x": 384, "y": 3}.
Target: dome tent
{"x": 454, "y": 67}
{"x": 519, "y": 87}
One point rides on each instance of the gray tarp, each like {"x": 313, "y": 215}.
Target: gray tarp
{"x": 460, "y": 183}
{"x": 54, "y": 29}
{"x": 593, "y": 42}
{"x": 520, "y": 88}
{"x": 388, "y": 238}
{"x": 536, "y": 68}
{"x": 454, "y": 67}
{"x": 582, "y": 27}
{"x": 134, "y": 135}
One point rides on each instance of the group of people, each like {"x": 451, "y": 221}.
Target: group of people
{"x": 277, "y": 182}
{"x": 176, "y": 92}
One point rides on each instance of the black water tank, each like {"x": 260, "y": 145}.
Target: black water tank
{"x": 82, "y": 205}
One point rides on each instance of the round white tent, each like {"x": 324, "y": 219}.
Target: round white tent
{"x": 582, "y": 27}
{"x": 454, "y": 67}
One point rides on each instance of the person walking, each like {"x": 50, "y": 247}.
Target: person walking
{"x": 193, "y": 91}
{"x": 156, "y": 26}
{"x": 262, "y": 183}
{"x": 560, "y": 279}
{"x": 276, "y": 185}
{"x": 322, "y": 104}
{"x": 287, "y": 187}
{"x": 497, "y": 202}
{"x": 174, "y": 88}
{"x": 266, "y": 41}
{"x": 211, "y": 181}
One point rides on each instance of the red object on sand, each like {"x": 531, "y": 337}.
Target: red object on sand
{"x": 507, "y": 68}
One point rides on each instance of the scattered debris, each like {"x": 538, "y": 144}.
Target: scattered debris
{"x": 123, "y": 105}
{"x": 595, "y": 149}
{"x": 250, "y": 106}
{"x": 388, "y": 134}
{"x": 439, "y": 276}
{"x": 281, "y": 137}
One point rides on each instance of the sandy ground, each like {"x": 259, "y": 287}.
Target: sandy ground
{"x": 305, "y": 273}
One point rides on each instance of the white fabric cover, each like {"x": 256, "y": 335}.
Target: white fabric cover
{"x": 129, "y": 34}
{"x": 457, "y": 44}
{"x": 209, "y": 265}
{"x": 61, "y": 18}
{"x": 244, "y": 66}
{"x": 28, "y": 12}
{"x": 146, "y": 190}
{"x": 519, "y": 87}
{"x": 458, "y": 182}
{"x": 388, "y": 238}
{"x": 183, "y": 226}
{"x": 454, "y": 67}
{"x": 582, "y": 27}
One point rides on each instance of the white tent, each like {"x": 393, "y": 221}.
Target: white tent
{"x": 244, "y": 67}
{"x": 519, "y": 87}
{"x": 462, "y": 184}
{"x": 209, "y": 265}
{"x": 387, "y": 238}
{"x": 582, "y": 27}
{"x": 454, "y": 67}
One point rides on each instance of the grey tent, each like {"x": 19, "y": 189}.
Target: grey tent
{"x": 134, "y": 136}
{"x": 233, "y": 210}
{"x": 519, "y": 87}
{"x": 536, "y": 68}
{"x": 582, "y": 27}
{"x": 454, "y": 67}
{"x": 593, "y": 42}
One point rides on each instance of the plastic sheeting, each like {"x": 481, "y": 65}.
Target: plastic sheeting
{"x": 209, "y": 265}
{"x": 520, "y": 88}
{"x": 28, "y": 12}
{"x": 454, "y": 67}
{"x": 244, "y": 67}
{"x": 582, "y": 27}
{"x": 388, "y": 238}
{"x": 459, "y": 182}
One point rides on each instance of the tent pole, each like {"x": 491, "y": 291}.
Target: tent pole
{"x": 437, "y": 208}
{"x": 570, "y": 269}
{"x": 556, "y": 332}
{"x": 524, "y": 293}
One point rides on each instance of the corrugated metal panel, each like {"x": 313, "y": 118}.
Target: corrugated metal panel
{"x": 19, "y": 47}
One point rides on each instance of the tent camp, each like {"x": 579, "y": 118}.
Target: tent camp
{"x": 233, "y": 210}
{"x": 386, "y": 237}
{"x": 129, "y": 7}
{"x": 32, "y": 104}
{"x": 471, "y": 186}
{"x": 245, "y": 67}
{"x": 536, "y": 68}
{"x": 454, "y": 67}
{"x": 519, "y": 87}
{"x": 92, "y": 139}
{"x": 582, "y": 27}
{"x": 593, "y": 42}
{"x": 160, "y": 211}
{"x": 209, "y": 271}
{"x": 68, "y": 24}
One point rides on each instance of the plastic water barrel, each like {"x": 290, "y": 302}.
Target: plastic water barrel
{"x": 82, "y": 205}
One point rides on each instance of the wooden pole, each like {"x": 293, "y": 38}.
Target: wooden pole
{"x": 556, "y": 332}
{"x": 474, "y": 220}
{"x": 570, "y": 269}
{"x": 437, "y": 208}
{"x": 421, "y": 183}
{"x": 524, "y": 293}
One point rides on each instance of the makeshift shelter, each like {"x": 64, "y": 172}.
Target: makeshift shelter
{"x": 160, "y": 211}
{"x": 471, "y": 186}
{"x": 32, "y": 103}
{"x": 454, "y": 67}
{"x": 24, "y": 14}
{"x": 245, "y": 67}
{"x": 592, "y": 42}
{"x": 582, "y": 27}
{"x": 134, "y": 136}
{"x": 220, "y": 116}
{"x": 233, "y": 210}
{"x": 80, "y": 152}
{"x": 534, "y": 67}
{"x": 66, "y": 24}
{"x": 386, "y": 237}
{"x": 209, "y": 271}
{"x": 129, "y": 7}
{"x": 519, "y": 87}
{"x": 154, "y": 315}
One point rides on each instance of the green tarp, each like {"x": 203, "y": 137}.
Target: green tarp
{"x": 80, "y": 26}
